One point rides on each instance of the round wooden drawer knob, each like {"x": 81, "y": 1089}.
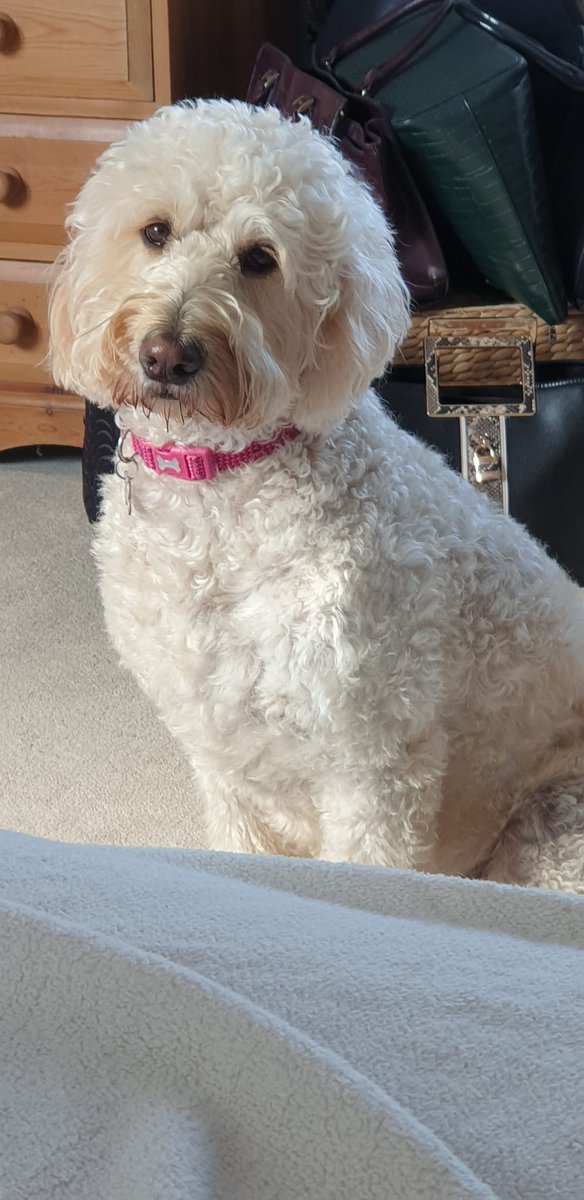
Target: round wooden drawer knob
{"x": 8, "y": 33}
{"x": 11, "y": 184}
{"x": 15, "y": 324}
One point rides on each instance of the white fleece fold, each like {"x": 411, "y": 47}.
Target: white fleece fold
{"x": 192, "y": 1026}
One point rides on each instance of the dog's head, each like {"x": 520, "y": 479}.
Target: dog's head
{"x": 224, "y": 262}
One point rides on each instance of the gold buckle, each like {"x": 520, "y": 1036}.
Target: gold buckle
{"x": 437, "y": 407}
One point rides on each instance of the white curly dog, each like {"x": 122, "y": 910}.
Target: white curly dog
{"x": 363, "y": 659}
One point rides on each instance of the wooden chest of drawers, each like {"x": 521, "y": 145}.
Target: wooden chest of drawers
{"x": 72, "y": 74}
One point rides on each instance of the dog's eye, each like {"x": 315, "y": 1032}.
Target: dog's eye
{"x": 156, "y": 234}
{"x": 257, "y": 260}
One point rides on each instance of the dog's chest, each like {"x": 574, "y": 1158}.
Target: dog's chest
{"x": 219, "y": 613}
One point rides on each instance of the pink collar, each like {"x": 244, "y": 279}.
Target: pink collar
{"x": 198, "y": 463}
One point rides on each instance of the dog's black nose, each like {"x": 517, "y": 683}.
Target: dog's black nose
{"x": 167, "y": 360}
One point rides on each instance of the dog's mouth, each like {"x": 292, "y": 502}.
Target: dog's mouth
{"x": 170, "y": 400}
{"x": 221, "y": 401}
{"x": 163, "y": 376}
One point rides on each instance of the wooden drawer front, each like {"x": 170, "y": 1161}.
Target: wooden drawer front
{"x": 40, "y": 419}
{"x": 32, "y": 411}
{"x": 76, "y": 48}
{"x": 41, "y": 171}
{"x": 23, "y": 325}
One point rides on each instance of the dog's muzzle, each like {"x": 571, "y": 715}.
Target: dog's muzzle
{"x": 165, "y": 359}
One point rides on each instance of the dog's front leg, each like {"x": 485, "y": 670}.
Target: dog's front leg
{"x": 232, "y": 823}
{"x": 241, "y": 820}
{"x": 382, "y": 817}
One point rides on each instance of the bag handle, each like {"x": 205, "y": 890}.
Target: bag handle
{"x": 377, "y": 76}
{"x": 369, "y": 32}
{"x": 565, "y": 72}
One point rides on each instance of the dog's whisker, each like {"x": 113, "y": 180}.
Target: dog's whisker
{"x": 92, "y": 329}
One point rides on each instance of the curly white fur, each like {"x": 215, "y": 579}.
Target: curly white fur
{"x": 362, "y": 658}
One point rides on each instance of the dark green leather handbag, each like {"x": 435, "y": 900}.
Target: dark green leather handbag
{"x": 460, "y": 102}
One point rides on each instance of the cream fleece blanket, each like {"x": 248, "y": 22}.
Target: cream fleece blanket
{"x": 190, "y": 1026}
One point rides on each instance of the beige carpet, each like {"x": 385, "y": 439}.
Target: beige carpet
{"x": 82, "y": 755}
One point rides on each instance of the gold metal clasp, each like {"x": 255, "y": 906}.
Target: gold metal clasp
{"x": 486, "y": 463}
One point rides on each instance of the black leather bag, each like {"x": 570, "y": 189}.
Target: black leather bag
{"x": 99, "y": 446}
{"x": 544, "y": 459}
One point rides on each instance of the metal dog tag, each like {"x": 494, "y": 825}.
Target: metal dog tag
{"x": 126, "y": 467}
{"x": 128, "y": 494}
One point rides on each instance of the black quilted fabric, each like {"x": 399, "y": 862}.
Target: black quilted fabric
{"x": 99, "y": 447}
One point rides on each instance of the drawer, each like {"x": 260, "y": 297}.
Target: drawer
{"x": 43, "y": 164}
{"x": 32, "y": 410}
{"x": 23, "y": 324}
{"x": 76, "y": 49}
{"x": 40, "y": 419}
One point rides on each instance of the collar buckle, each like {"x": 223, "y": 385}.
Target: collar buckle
{"x": 185, "y": 464}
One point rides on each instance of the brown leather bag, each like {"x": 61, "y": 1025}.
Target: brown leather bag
{"x": 366, "y": 139}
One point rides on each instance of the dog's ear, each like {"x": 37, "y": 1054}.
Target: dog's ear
{"x": 362, "y": 326}
{"x": 60, "y": 329}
